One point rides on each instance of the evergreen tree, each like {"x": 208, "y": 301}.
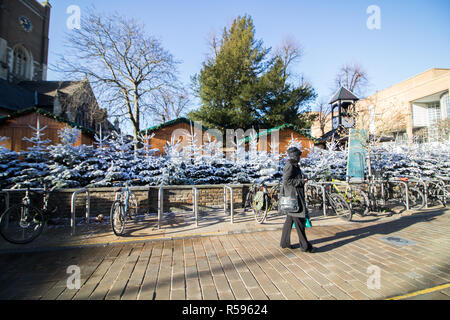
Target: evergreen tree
{"x": 97, "y": 160}
{"x": 227, "y": 83}
{"x": 173, "y": 170}
{"x": 240, "y": 87}
{"x": 123, "y": 161}
{"x": 34, "y": 164}
{"x": 9, "y": 165}
{"x": 149, "y": 167}
{"x": 64, "y": 171}
{"x": 282, "y": 101}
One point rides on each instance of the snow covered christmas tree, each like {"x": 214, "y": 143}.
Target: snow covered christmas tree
{"x": 122, "y": 161}
{"x": 9, "y": 165}
{"x": 97, "y": 160}
{"x": 65, "y": 159}
{"x": 34, "y": 164}
{"x": 148, "y": 169}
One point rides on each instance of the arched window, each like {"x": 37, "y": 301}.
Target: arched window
{"x": 21, "y": 62}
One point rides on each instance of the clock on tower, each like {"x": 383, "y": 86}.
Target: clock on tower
{"x": 25, "y": 23}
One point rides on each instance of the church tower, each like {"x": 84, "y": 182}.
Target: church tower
{"x": 24, "y": 29}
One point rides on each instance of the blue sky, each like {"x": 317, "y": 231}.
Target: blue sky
{"x": 414, "y": 35}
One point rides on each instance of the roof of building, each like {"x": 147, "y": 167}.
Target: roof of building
{"x": 47, "y": 90}
{"x": 14, "y": 97}
{"x": 334, "y": 133}
{"x": 343, "y": 94}
{"x": 283, "y": 126}
{"x": 17, "y": 97}
{"x": 50, "y": 87}
{"x": 169, "y": 123}
{"x": 48, "y": 115}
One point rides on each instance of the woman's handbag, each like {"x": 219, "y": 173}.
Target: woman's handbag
{"x": 289, "y": 204}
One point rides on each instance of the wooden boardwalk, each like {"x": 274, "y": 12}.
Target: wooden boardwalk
{"x": 246, "y": 266}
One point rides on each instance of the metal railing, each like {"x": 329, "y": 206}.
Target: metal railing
{"x": 394, "y": 180}
{"x": 72, "y": 208}
{"x": 195, "y": 204}
{"x": 225, "y": 188}
{"x": 195, "y": 210}
{"x": 317, "y": 185}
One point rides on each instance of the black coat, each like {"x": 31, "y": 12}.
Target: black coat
{"x": 293, "y": 186}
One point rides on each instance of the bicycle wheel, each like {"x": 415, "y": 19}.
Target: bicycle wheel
{"x": 118, "y": 218}
{"x": 248, "y": 200}
{"x": 313, "y": 198}
{"x": 132, "y": 207}
{"x": 339, "y": 206}
{"x": 416, "y": 199}
{"x": 21, "y": 224}
{"x": 438, "y": 193}
{"x": 273, "y": 195}
{"x": 260, "y": 206}
{"x": 359, "y": 201}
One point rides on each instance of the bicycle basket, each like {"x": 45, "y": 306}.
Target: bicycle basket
{"x": 258, "y": 201}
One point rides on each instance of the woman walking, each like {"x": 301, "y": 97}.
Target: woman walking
{"x": 293, "y": 186}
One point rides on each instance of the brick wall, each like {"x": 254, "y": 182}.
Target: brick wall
{"x": 176, "y": 198}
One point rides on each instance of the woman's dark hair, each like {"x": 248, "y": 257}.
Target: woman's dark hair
{"x": 294, "y": 152}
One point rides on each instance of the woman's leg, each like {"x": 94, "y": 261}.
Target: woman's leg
{"x": 305, "y": 245}
{"x": 286, "y": 233}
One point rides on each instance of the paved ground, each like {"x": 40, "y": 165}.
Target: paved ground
{"x": 239, "y": 264}
{"x": 178, "y": 225}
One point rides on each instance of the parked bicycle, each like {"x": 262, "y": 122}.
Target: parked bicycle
{"x": 24, "y": 222}
{"x": 334, "y": 203}
{"x": 262, "y": 199}
{"x": 124, "y": 208}
{"x": 432, "y": 188}
{"x": 383, "y": 192}
{"x": 444, "y": 182}
{"x": 354, "y": 194}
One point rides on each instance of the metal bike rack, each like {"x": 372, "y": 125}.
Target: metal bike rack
{"x": 225, "y": 187}
{"x": 72, "y": 208}
{"x": 425, "y": 188}
{"x": 161, "y": 204}
{"x": 195, "y": 204}
{"x": 322, "y": 188}
{"x": 406, "y": 190}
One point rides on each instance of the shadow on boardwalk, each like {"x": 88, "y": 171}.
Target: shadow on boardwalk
{"x": 385, "y": 228}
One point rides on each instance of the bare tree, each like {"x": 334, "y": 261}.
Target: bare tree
{"x": 290, "y": 52}
{"x": 324, "y": 109}
{"x": 120, "y": 60}
{"x": 213, "y": 44}
{"x": 374, "y": 122}
{"x": 353, "y": 77}
{"x": 169, "y": 103}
